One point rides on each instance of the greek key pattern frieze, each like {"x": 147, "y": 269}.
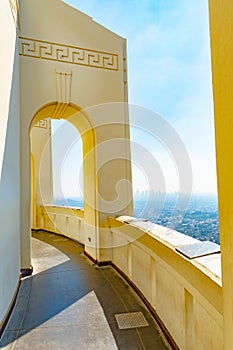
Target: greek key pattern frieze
{"x": 68, "y": 54}
{"x": 43, "y": 124}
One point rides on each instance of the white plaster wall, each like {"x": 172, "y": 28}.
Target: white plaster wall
{"x": 7, "y": 50}
{"x": 9, "y": 161}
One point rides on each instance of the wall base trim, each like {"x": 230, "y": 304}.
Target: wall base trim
{"x": 10, "y": 309}
{"x": 58, "y": 234}
{"x": 96, "y": 262}
{"x": 25, "y": 272}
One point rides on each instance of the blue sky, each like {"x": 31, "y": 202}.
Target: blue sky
{"x": 168, "y": 72}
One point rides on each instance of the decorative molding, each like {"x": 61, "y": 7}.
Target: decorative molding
{"x": 63, "y": 86}
{"x": 14, "y": 10}
{"x": 59, "y": 110}
{"x": 67, "y": 54}
{"x": 43, "y": 124}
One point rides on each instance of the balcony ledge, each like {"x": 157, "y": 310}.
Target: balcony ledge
{"x": 210, "y": 264}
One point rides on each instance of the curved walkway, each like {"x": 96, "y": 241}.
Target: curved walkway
{"x": 70, "y": 304}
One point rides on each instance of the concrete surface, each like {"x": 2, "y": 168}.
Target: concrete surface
{"x": 70, "y": 304}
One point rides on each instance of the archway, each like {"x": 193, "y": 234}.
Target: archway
{"x": 80, "y": 120}
{"x": 67, "y": 170}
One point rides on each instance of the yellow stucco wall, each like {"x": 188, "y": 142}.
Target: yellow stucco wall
{"x": 64, "y": 65}
{"x": 63, "y": 220}
{"x": 41, "y": 166}
{"x": 221, "y": 30}
{"x": 186, "y": 295}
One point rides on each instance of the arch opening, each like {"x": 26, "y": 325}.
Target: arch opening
{"x": 67, "y": 167}
{"x": 42, "y": 168}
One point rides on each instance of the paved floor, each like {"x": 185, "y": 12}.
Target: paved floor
{"x": 70, "y": 304}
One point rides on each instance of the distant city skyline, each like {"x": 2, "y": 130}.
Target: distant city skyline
{"x": 169, "y": 71}
{"x": 199, "y": 219}
{"x": 143, "y": 195}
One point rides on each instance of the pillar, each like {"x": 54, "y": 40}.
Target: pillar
{"x": 221, "y": 30}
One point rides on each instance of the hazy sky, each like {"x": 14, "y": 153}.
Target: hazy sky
{"x": 168, "y": 72}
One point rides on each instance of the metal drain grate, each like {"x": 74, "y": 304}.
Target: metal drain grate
{"x": 131, "y": 320}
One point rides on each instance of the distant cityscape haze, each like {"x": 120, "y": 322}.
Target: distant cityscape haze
{"x": 199, "y": 220}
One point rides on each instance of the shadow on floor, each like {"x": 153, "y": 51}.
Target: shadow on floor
{"x": 70, "y": 304}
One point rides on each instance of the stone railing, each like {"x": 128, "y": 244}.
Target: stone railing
{"x": 185, "y": 294}
{"x": 67, "y": 221}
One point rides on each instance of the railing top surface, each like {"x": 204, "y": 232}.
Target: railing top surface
{"x": 71, "y": 212}
{"x": 62, "y": 206}
{"x": 210, "y": 264}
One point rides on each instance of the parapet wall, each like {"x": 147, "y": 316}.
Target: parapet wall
{"x": 186, "y": 294}
{"x": 66, "y": 221}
